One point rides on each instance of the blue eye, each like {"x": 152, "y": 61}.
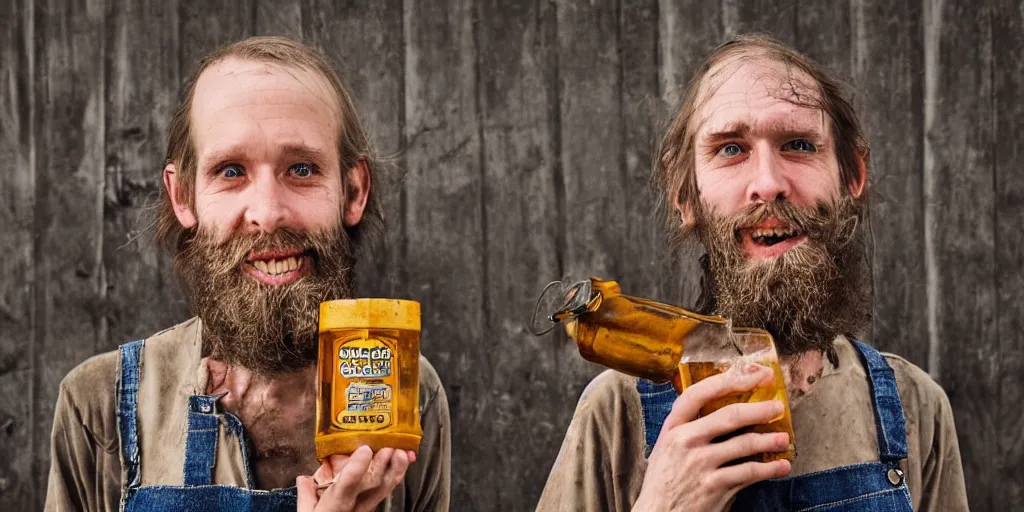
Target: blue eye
{"x": 303, "y": 170}
{"x": 232, "y": 171}
{"x": 801, "y": 145}
{"x": 730, "y": 150}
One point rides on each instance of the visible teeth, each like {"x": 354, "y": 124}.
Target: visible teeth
{"x": 763, "y": 233}
{"x": 275, "y": 267}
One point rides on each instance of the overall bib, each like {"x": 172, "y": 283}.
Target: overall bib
{"x": 198, "y": 492}
{"x": 871, "y": 486}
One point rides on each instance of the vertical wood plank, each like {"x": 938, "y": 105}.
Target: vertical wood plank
{"x": 775, "y": 18}
{"x": 205, "y": 25}
{"x": 593, "y": 177}
{"x": 69, "y": 274}
{"x": 688, "y": 31}
{"x": 959, "y": 231}
{"x": 446, "y": 222}
{"x": 644, "y": 244}
{"x": 143, "y": 294}
{"x": 888, "y": 53}
{"x": 279, "y": 18}
{"x": 17, "y": 212}
{"x": 823, "y": 33}
{"x": 517, "y": 49}
{"x": 1008, "y": 130}
{"x": 364, "y": 40}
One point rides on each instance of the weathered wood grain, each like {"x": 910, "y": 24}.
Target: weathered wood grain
{"x": 644, "y": 246}
{"x": 889, "y": 90}
{"x": 17, "y": 267}
{"x": 960, "y": 208}
{"x": 593, "y": 177}
{"x": 517, "y": 50}
{"x": 143, "y": 295}
{"x": 205, "y": 25}
{"x": 775, "y": 18}
{"x": 279, "y": 18}
{"x": 823, "y": 33}
{"x": 1008, "y": 151}
{"x": 446, "y": 221}
{"x": 365, "y": 41}
{"x": 69, "y": 275}
{"x": 688, "y": 32}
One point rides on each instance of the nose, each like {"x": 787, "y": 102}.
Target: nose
{"x": 266, "y": 209}
{"x": 769, "y": 183}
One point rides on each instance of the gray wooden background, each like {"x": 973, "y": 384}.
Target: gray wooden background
{"x": 523, "y": 133}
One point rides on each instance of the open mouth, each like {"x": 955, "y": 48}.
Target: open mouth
{"x": 771, "y": 236}
{"x": 770, "y": 239}
{"x": 278, "y": 266}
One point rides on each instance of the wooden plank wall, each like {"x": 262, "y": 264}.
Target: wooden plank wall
{"x": 521, "y": 135}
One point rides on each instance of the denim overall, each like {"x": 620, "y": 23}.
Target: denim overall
{"x": 871, "y": 486}
{"x": 198, "y": 492}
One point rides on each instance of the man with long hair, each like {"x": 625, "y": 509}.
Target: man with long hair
{"x": 270, "y": 192}
{"x": 765, "y": 165}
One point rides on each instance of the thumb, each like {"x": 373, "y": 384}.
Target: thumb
{"x": 307, "y": 498}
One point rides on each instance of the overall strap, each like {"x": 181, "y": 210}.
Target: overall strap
{"x": 889, "y": 419}
{"x": 127, "y": 410}
{"x": 201, "y": 440}
{"x": 656, "y": 402}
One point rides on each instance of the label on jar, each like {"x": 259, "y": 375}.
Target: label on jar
{"x": 364, "y": 387}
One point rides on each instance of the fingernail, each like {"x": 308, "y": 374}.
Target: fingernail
{"x": 751, "y": 368}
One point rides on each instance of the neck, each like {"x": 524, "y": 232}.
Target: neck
{"x": 240, "y": 383}
{"x": 802, "y": 371}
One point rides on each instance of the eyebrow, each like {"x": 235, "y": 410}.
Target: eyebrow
{"x": 740, "y": 129}
{"x": 292, "y": 150}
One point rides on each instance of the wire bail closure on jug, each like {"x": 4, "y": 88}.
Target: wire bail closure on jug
{"x": 577, "y": 299}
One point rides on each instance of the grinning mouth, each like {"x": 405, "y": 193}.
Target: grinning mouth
{"x": 771, "y": 236}
{"x": 279, "y": 262}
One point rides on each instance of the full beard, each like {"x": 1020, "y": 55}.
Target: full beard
{"x": 804, "y": 297}
{"x": 266, "y": 329}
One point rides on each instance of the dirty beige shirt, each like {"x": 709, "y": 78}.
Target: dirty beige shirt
{"x": 85, "y": 458}
{"x": 601, "y": 464}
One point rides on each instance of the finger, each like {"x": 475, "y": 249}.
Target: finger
{"x": 307, "y": 497}
{"x": 399, "y": 464}
{"x": 736, "y": 380}
{"x": 347, "y": 482}
{"x": 338, "y": 462}
{"x": 746, "y": 445}
{"x": 324, "y": 473}
{"x": 741, "y": 475}
{"x": 733, "y": 417}
{"x": 375, "y": 473}
{"x": 412, "y": 456}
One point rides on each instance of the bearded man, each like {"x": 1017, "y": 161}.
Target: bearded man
{"x": 765, "y": 165}
{"x": 269, "y": 194}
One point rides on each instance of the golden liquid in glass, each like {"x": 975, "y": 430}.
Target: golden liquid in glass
{"x": 368, "y": 376}
{"x": 693, "y": 372}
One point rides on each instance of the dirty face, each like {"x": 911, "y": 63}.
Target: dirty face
{"x": 267, "y": 240}
{"x": 779, "y": 230}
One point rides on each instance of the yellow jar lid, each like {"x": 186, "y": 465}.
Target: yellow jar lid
{"x": 370, "y": 314}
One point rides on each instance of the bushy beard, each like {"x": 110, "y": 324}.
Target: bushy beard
{"x": 805, "y": 297}
{"x": 267, "y": 329}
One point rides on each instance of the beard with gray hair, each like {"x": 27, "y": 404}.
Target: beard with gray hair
{"x": 267, "y": 329}
{"x": 804, "y": 297}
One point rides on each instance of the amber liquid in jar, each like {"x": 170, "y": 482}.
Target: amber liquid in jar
{"x": 368, "y": 376}
{"x": 693, "y": 372}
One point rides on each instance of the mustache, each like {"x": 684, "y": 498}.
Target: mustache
{"x": 235, "y": 250}
{"x": 827, "y": 219}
